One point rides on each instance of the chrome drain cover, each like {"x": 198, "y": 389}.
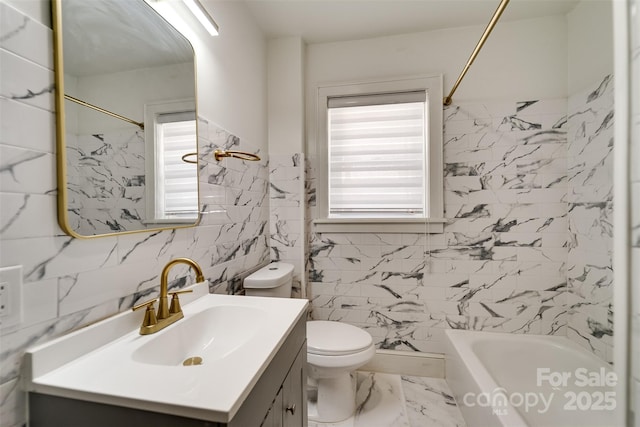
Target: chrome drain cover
{"x": 192, "y": 361}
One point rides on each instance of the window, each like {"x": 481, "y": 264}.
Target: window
{"x": 176, "y": 180}
{"x": 380, "y": 153}
{"x": 172, "y": 183}
{"x": 377, "y": 156}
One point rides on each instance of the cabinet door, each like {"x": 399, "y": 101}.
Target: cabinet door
{"x": 294, "y": 402}
{"x": 274, "y": 415}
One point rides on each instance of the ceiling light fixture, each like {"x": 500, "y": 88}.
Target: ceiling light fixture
{"x": 203, "y": 16}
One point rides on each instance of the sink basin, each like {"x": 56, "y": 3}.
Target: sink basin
{"x": 228, "y": 341}
{"x": 209, "y": 335}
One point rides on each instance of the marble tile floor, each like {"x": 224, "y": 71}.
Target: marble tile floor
{"x": 387, "y": 400}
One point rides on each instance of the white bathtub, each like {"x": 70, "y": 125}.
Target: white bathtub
{"x": 528, "y": 380}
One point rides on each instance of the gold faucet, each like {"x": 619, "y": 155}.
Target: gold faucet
{"x": 153, "y": 323}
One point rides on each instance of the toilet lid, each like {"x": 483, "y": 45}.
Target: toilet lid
{"x": 335, "y": 338}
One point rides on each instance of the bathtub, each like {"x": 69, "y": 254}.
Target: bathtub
{"x": 528, "y": 380}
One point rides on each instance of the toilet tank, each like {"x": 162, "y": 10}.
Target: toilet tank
{"x": 273, "y": 280}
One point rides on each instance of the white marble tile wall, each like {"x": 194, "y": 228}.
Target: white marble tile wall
{"x": 234, "y": 199}
{"x": 106, "y": 181}
{"x": 69, "y": 283}
{"x": 309, "y": 212}
{"x": 500, "y": 264}
{"x": 635, "y": 203}
{"x": 287, "y": 213}
{"x": 590, "y": 198}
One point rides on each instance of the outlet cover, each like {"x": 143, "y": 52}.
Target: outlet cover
{"x": 10, "y": 296}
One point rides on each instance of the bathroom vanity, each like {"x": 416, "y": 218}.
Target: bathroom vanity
{"x": 232, "y": 361}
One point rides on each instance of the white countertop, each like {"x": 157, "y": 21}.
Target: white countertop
{"x": 96, "y": 364}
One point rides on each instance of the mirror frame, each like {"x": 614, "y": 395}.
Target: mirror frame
{"x": 61, "y": 155}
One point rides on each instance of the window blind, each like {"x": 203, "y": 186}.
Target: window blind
{"x": 377, "y": 155}
{"x": 176, "y": 180}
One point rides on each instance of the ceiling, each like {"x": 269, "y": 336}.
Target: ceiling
{"x": 320, "y": 21}
{"x": 98, "y": 32}
{"x": 106, "y": 36}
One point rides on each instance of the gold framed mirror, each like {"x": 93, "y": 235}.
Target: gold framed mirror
{"x": 126, "y": 119}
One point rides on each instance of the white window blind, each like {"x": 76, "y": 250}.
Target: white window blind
{"x": 176, "y": 180}
{"x": 377, "y": 155}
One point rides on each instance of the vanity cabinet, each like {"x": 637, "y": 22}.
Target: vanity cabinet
{"x": 277, "y": 399}
{"x": 289, "y": 408}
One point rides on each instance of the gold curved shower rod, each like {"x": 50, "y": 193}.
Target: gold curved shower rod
{"x": 102, "y": 110}
{"x": 494, "y": 20}
{"x": 219, "y": 154}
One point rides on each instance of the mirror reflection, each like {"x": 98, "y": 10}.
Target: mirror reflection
{"x": 127, "y": 122}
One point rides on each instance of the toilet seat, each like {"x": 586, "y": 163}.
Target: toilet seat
{"x": 347, "y": 362}
{"x": 327, "y": 338}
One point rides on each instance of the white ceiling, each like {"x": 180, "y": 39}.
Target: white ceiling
{"x": 99, "y": 33}
{"x": 318, "y": 21}
{"x": 106, "y": 36}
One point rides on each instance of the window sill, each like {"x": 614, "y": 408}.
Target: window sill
{"x": 375, "y": 225}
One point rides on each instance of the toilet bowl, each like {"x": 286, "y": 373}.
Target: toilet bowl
{"x": 334, "y": 349}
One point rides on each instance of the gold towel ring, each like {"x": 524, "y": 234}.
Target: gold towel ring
{"x": 186, "y": 160}
{"x": 219, "y": 154}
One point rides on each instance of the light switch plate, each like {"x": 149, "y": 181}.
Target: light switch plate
{"x": 10, "y": 296}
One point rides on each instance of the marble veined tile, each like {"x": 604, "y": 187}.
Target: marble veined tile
{"x": 379, "y": 400}
{"x": 40, "y": 11}
{"x": 26, "y": 171}
{"x": 24, "y": 82}
{"x": 21, "y": 216}
{"x": 430, "y": 403}
{"x": 379, "y": 403}
{"x": 13, "y": 410}
{"x": 49, "y": 257}
{"x": 505, "y": 192}
{"x": 542, "y": 107}
{"x": 590, "y": 225}
{"x": 25, "y": 36}
{"x": 17, "y": 130}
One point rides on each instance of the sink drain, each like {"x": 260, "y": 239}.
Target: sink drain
{"x": 192, "y": 361}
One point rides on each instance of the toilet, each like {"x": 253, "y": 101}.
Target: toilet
{"x": 334, "y": 350}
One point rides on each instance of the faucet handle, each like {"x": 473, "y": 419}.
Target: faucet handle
{"x": 175, "y": 302}
{"x": 150, "y": 313}
{"x": 181, "y": 291}
{"x": 143, "y": 304}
